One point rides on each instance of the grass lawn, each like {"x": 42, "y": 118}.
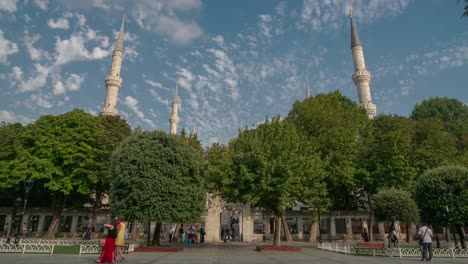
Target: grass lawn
{"x": 67, "y": 249}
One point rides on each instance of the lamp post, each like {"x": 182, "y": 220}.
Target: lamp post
{"x": 28, "y": 184}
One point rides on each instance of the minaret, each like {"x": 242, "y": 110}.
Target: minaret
{"x": 174, "y": 118}
{"x": 113, "y": 80}
{"x": 307, "y": 87}
{"x": 361, "y": 76}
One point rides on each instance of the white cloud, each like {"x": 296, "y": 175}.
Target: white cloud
{"x": 160, "y": 17}
{"x": 39, "y": 100}
{"x": 74, "y": 49}
{"x": 34, "y": 53}
{"x": 61, "y": 23}
{"x": 158, "y": 98}
{"x": 42, "y": 4}
{"x": 72, "y": 83}
{"x": 265, "y": 25}
{"x": 132, "y": 104}
{"x": 154, "y": 83}
{"x": 11, "y": 117}
{"x": 6, "y": 48}
{"x": 8, "y": 5}
{"x": 186, "y": 78}
{"x": 32, "y": 83}
{"x": 329, "y": 14}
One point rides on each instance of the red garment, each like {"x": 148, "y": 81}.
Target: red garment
{"x": 107, "y": 254}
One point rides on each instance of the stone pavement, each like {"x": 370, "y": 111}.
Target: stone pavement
{"x": 222, "y": 254}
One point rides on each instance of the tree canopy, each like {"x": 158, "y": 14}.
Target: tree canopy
{"x": 157, "y": 177}
{"x": 273, "y": 167}
{"x": 392, "y": 205}
{"x": 332, "y": 125}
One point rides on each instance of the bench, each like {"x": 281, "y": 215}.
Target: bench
{"x": 370, "y": 246}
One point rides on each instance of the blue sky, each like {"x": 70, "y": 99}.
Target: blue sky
{"x": 237, "y": 61}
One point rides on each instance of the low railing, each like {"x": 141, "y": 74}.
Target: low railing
{"x": 398, "y": 251}
{"x": 61, "y": 242}
{"x": 27, "y": 248}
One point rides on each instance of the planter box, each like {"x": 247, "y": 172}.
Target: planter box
{"x": 280, "y": 249}
{"x": 159, "y": 249}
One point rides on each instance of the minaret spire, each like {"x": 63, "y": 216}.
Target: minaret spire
{"x": 113, "y": 80}
{"x": 174, "y": 119}
{"x": 361, "y": 76}
{"x": 307, "y": 86}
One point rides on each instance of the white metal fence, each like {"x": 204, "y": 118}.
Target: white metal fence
{"x": 27, "y": 248}
{"x": 398, "y": 252}
{"x": 61, "y": 242}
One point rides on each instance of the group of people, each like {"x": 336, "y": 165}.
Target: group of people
{"x": 192, "y": 235}
{"x": 423, "y": 236}
{"x": 115, "y": 240}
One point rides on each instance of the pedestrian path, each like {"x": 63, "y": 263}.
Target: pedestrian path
{"x": 222, "y": 254}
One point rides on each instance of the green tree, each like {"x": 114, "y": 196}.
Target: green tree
{"x": 60, "y": 152}
{"x": 218, "y": 167}
{"x": 115, "y": 130}
{"x": 442, "y": 196}
{"x": 272, "y": 168}
{"x": 384, "y": 161}
{"x": 157, "y": 177}
{"x": 454, "y": 114}
{"x": 9, "y": 143}
{"x": 392, "y": 205}
{"x": 333, "y": 125}
{"x": 433, "y": 145}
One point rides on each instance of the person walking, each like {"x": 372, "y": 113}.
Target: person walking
{"x": 202, "y": 234}
{"x": 425, "y": 238}
{"x": 120, "y": 240}
{"x": 170, "y": 235}
{"x": 365, "y": 235}
{"x": 181, "y": 234}
{"x": 107, "y": 253}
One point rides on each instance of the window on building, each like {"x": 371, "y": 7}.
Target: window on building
{"x": 83, "y": 222}
{"x": 258, "y": 223}
{"x": 33, "y": 223}
{"x": 2, "y": 222}
{"x": 65, "y": 223}
{"x": 356, "y": 225}
{"x": 324, "y": 223}
{"x": 340, "y": 225}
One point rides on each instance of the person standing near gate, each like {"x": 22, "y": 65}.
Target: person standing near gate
{"x": 425, "y": 238}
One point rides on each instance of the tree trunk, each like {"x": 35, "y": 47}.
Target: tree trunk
{"x": 329, "y": 226}
{"x": 319, "y": 225}
{"x": 313, "y": 233}
{"x": 12, "y": 223}
{"x": 407, "y": 232}
{"x": 157, "y": 234}
{"x": 135, "y": 231}
{"x": 447, "y": 236}
{"x": 392, "y": 224}
{"x": 148, "y": 239}
{"x": 277, "y": 239}
{"x": 461, "y": 234}
{"x": 60, "y": 204}
{"x": 96, "y": 206}
{"x": 288, "y": 235}
{"x": 437, "y": 239}
{"x": 370, "y": 224}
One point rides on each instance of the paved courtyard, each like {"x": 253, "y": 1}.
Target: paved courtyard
{"x": 221, "y": 253}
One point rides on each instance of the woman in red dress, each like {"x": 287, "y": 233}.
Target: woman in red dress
{"x": 107, "y": 253}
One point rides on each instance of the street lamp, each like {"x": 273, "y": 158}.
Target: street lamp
{"x": 28, "y": 184}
